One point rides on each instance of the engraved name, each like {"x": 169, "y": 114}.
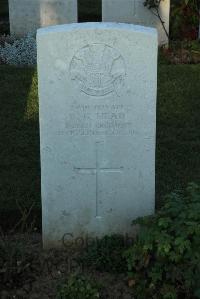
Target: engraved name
{"x": 98, "y": 120}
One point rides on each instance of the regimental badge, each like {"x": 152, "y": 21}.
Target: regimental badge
{"x": 98, "y": 70}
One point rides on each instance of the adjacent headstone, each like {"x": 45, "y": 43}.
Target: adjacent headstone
{"x": 134, "y": 11}
{"x": 29, "y": 15}
{"x": 97, "y": 94}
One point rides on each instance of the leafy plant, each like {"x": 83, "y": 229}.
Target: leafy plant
{"x": 164, "y": 262}
{"x": 181, "y": 52}
{"x": 185, "y": 19}
{"x": 106, "y": 254}
{"x": 18, "y": 51}
{"x": 78, "y": 287}
{"x": 184, "y": 15}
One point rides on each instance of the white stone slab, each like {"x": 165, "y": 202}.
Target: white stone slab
{"x": 97, "y": 91}
{"x": 134, "y": 11}
{"x": 29, "y": 15}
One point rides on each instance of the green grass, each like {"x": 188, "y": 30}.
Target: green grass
{"x": 19, "y": 141}
{"x": 178, "y": 135}
{"x": 178, "y": 127}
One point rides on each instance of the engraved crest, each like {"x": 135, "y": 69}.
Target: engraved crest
{"x": 98, "y": 69}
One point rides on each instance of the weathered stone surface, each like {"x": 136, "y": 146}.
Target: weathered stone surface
{"x": 134, "y": 11}
{"x": 97, "y": 91}
{"x": 29, "y": 15}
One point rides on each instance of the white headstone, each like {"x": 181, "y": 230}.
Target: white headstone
{"x": 134, "y": 11}
{"x": 97, "y": 93}
{"x": 29, "y": 15}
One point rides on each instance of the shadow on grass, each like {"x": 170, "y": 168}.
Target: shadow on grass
{"x": 19, "y": 143}
{"x": 178, "y": 128}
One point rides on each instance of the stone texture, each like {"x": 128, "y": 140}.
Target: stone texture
{"x": 29, "y": 15}
{"x": 134, "y": 11}
{"x": 97, "y": 91}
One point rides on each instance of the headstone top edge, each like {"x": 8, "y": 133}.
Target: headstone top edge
{"x": 97, "y": 25}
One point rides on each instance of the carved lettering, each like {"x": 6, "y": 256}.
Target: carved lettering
{"x": 99, "y": 119}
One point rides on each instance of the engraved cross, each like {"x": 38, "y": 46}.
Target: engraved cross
{"x": 96, "y": 171}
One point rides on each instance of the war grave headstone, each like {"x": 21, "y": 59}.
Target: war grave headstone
{"x": 97, "y": 94}
{"x": 29, "y": 15}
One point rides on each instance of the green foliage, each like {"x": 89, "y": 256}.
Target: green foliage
{"x": 192, "y": 45}
{"x": 184, "y": 19}
{"x": 106, "y": 254}
{"x": 195, "y": 45}
{"x": 78, "y": 287}
{"x": 164, "y": 262}
{"x": 180, "y": 52}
